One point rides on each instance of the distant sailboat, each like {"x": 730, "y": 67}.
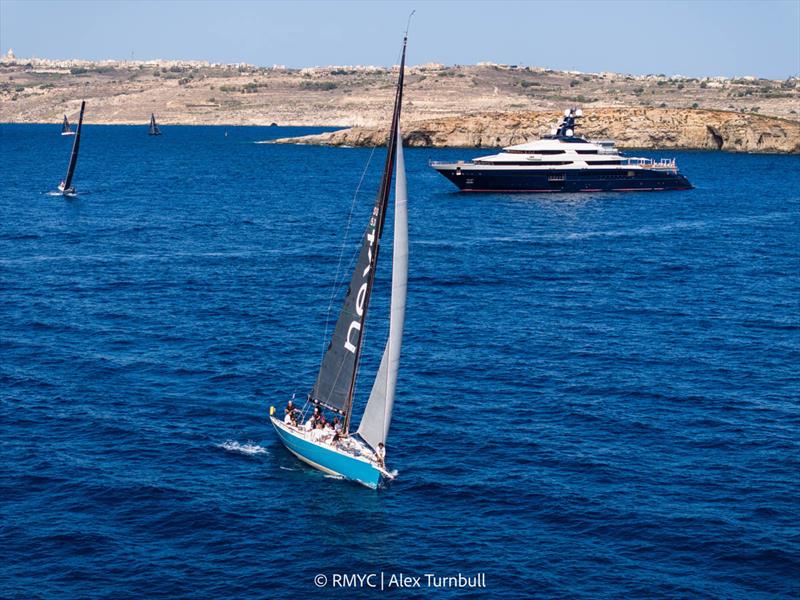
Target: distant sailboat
{"x": 65, "y": 128}
{"x": 65, "y": 187}
{"x": 154, "y": 130}
{"x": 361, "y": 457}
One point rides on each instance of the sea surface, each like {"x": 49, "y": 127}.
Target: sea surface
{"x": 598, "y": 395}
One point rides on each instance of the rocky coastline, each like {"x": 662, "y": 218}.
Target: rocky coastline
{"x": 483, "y": 105}
{"x": 633, "y": 127}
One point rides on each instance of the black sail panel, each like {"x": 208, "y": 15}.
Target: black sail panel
{"x": 337, "y": 375}
{"x": 73, "y": 159}
{"x": 65, "y": 125}
{"x": 333, "y": 386}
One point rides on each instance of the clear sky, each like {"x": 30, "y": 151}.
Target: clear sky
{"x": 679, "y": 37}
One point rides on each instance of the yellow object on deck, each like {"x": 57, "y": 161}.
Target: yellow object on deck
{"x": 271, "y": 411}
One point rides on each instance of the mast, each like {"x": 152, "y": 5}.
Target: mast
{"x": 336, "y": 380}
{"x": 73, "y": 158}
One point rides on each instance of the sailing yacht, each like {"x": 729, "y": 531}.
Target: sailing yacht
{"x": 359, "y": 456}
{"x": 154, "y": 130}
{"x": 65, "y": 128}
{"x": 65, "y": 187}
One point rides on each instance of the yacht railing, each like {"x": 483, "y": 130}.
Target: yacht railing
{"x": 458, "y": 163}
{"x": 649, "y": 163}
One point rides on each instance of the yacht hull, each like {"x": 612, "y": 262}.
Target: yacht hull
{"x": 324, "y": 457}
{"x": 477, "y": 179}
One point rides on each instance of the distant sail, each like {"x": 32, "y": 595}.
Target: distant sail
{"x": 73, "y": 159}
{"x": 154, "y": 130}
{"x": 65, "y": 128}
{"x": 377, "y": 416}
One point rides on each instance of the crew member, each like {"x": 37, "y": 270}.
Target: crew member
{"x": 380, "y": 454}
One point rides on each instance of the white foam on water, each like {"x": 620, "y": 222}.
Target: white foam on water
{"x": 248, "y": 448}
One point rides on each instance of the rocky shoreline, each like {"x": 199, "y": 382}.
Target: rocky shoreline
{"x": 633, "y": 127}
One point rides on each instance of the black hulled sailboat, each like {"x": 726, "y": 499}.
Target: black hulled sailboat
{"x": 154, "y": 130}
{"x": 65, "y": 187}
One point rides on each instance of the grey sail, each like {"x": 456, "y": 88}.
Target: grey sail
{"x": 377, "y": 416}
{"x": 76, "y": 144}
{"x": 336, "y": 380}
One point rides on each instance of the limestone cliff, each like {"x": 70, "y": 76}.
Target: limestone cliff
{"x": 629, "y": 127}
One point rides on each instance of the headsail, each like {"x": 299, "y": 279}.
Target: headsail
{"x": 377, "y": 417}
{"x": 73, "y": 159}
{"x": 337, "y": 375}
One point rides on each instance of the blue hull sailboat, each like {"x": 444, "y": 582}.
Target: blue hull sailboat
{"x": 354, "y": 463}
{"x": 65, "y": 187}
{"x": 360, "y": 456}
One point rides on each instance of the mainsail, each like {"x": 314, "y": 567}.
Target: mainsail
{"x": 73, "y": 159}
{"x": 377, "y": 417}
{"x": 337, "y": 374}
{"x": 154, "y": 130}
{"x": 65, "y": 126}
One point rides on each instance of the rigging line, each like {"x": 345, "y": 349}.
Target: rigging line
{"x": 336, "y": 287}
{"x": 405, "y": 35}
{"x": 408, "y": 23}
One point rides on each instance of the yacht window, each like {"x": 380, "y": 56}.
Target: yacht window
{"x": 536, "y": 151}
{"x": 586, "y": 151}
{"x": 544, "y": 163}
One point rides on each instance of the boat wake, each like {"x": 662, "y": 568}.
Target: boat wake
{"x": 248, "y": 448}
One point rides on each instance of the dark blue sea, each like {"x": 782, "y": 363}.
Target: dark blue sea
{"x": 598, "y": 396}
